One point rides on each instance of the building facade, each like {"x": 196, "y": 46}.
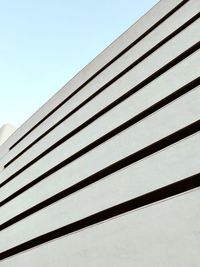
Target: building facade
{"x": 107, "y": 172}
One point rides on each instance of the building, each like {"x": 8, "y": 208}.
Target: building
{"x": 5, "y": 131}
{"x": 106, "y": 173}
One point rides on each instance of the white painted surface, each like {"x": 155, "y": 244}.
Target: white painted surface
{"x": 163, "y": 234}
{"x": 169, "y": 82}
{"x": 128, "y": 183}
{"x": 181, "y": 112}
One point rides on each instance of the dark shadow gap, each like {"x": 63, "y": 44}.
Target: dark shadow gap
{"x": 168, "y": 191}
{"x": 136, "y": 88}
{"x": 150, "y": 149}
{"x": 94, "y": 144}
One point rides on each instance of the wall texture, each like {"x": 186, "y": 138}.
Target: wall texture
{"x": 107, "y": 171}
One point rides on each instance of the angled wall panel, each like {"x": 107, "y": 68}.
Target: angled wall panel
{"x": 107, "y": 171}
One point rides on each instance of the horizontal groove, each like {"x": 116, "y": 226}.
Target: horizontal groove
{"x": 102, "y": 69}
{"x": 136, "y": 88}
{"x": 94, "y": 144}
{"x": 152, "y": 197}
{"x": 152, "y": 148}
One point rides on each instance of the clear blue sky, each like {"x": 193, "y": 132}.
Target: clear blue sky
{"x": 44, "y": 43}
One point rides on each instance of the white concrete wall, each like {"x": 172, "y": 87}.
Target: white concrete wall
{"x": 164, "y": 234}
{"x": 79, "y": 160}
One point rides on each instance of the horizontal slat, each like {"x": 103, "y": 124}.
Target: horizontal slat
{"x": 107, "y": 75}
{"x": 125, "y": 83}
{"x": 133, "y": 143}
{"x": 175, "y": 116}
{"x": 138, "y": 101}
{"x": 133, "y": 181}
{"x": 177, "y": 76}
{"x": 167, "y": 225}
{"x": 133, "y": 33}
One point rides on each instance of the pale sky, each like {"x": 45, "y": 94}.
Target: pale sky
{"x": 44, "y": 43}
